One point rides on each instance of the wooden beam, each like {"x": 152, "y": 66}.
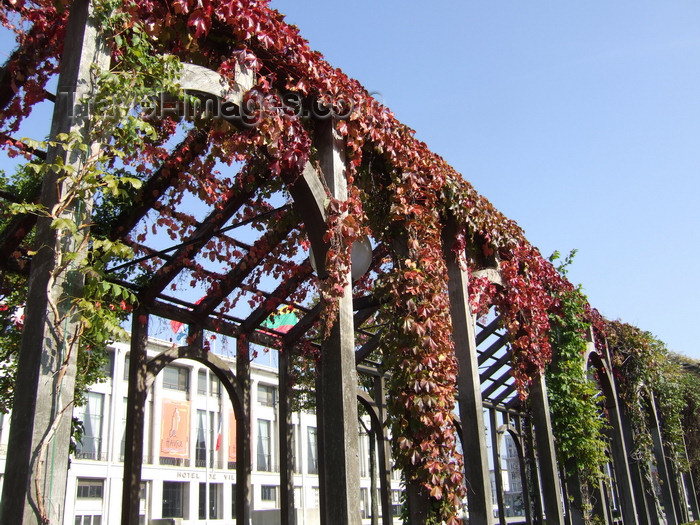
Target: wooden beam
{"x": 260, "y": 249}
{"x": 236, "y": 198}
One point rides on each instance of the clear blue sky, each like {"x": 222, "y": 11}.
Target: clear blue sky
{"x": 580, "y": 121}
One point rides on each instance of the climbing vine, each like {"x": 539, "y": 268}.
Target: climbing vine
{"x": 644, "y": 371}
{"x": 577, "y": 411}
{"x": 399, "y": 193}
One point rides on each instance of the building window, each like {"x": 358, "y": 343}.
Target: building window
{"x": 214, "y": 384}
{"x": 90, "y": 488}
{"x": 109, "y": 364}
{"x": 312, "y": 450}
{"x": 176, "y": 378}
{"x": 233, "y": 501}
{"x": 215, "y": 495}
{"x": 365, "y": 507}
{"x": 268, "y": 493}
{"x": 91, "y": 415}
{"x": 264, "y": 446}
{"x": 174, "y": 494}
{"x": 205, "y": 443}
{"x": 294, "y": 451}
{"x": 122, "y": 449}
{"x": 396, "y": 502}
{"x": 267, "y": 395}
{"x": 126, "y": 368}
{"x": 88, "y": 520}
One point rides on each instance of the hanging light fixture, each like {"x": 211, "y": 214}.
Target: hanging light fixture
{"x": 360, "y": 258}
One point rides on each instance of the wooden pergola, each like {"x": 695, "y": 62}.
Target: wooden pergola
{"x": 249, "y": 244}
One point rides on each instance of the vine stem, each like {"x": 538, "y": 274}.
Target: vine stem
{"x": 58, "y": 418}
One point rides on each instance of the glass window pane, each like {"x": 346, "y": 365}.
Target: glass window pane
{"x": 312, "y": 451}
{"x": 264, "y": 446}
{"x": 202, "y": 382}
{"x": 173, "y": 499}
{"x": 92, "y": 416}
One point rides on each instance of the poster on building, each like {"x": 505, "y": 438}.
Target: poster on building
{"x": 175, "y": 429}
{"x": 232, "y": 438}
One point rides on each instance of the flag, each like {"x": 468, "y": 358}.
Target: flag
{"x": 281, "y": 321}
{"x": 178, "y": 329}
{"x": 18, "y": 317}
{"x": 218, "y": 434}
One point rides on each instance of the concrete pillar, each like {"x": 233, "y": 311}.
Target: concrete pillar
{"x": 545, "y": 452}
{"x": 37, "y": 460}
{"x": 338, "y": 429}
{"x": 471, "y": 409}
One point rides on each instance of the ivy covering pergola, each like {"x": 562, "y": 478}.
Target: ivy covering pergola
{"x": 200, "y": 152}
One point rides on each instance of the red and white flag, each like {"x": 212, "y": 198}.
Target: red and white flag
{"x": 218, "y": 434}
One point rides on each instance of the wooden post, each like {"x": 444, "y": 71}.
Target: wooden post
{"x": 523, "y": 470}
{"x": 338, "y": 377}
{"x": 37, "y": 460}
{"x": 471, "y": 410}
{"x": 534, "y": 482}
{"x": 618, "y": 451}
{"x": 667, "y": 496}
{"x": 384, "y": 453}
{"x": 243, "y": 455}
{"x": 545, "y": 452}
{"x": 285, "y": 429}
{"x": 690, "y": 487}
{"x": 618, "y": 447}
{"x": 135, "y": 418}
{"x": 497, "y": 472}
{"x": 574, "y": 496}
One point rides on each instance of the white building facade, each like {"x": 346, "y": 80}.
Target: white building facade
{"x": 189, "y": 463}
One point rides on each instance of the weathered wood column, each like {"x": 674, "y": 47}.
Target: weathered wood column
{"x": 497, "y": 471}
{"x": 384, "y": 452}
{"x": 135, "y": 418}
{"x": 37, "y": 460}
{"x": 243, "y": 454}
{"x": 533, "y": 477}
{"x": 668, "y": 498}
{"x": 338, "y": 428}
{"x": 646, "y": 508}
{"x": 471, "y": 411}
{"x": 545, "y": 452}
{"x": 618, "y": 446}
{"x": 618, "y": 449}
{"x": 522, "y": 462}
{"x": 690, "y": 487}
{"x": 286, "y": 453}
